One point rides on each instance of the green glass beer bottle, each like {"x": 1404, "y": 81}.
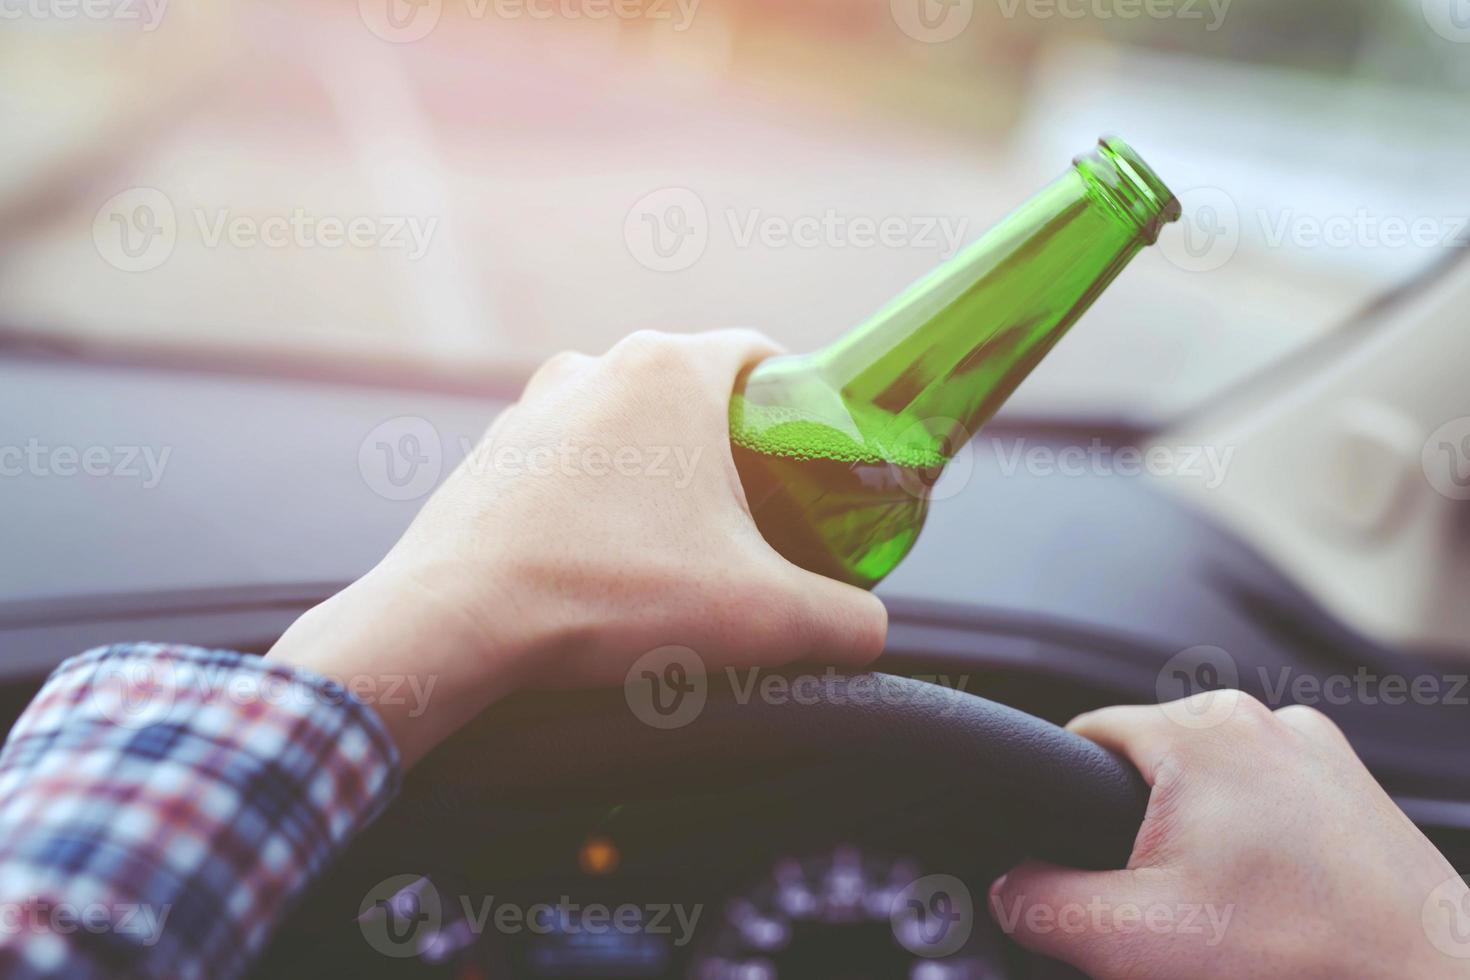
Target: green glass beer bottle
{"x": 838, "y": 449}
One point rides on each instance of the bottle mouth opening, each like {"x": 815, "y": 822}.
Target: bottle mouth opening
{"x": 1130, "y": 186}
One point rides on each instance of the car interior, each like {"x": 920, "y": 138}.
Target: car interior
{"x": 1241, "y": 472}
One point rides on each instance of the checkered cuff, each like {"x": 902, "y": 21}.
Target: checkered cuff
{"x": 161, "y": 807}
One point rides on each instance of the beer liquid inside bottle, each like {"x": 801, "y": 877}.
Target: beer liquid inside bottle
{"x": 838, "y": 449}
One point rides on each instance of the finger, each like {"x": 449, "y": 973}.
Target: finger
{"x": 1074, "y": 916}
{"x": 1314, "y": 726}
{"x": 723, "y": 354}
{"x": 846, "y": 626}
{"x": 1148, "y": 734}
{"x": 1142, "y": 734}
{"x": 696, "y": 372}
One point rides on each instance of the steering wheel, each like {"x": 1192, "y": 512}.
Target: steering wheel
{"x": 536, "y": 763}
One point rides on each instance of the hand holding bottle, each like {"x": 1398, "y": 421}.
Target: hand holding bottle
{"x": 552, "y": 576}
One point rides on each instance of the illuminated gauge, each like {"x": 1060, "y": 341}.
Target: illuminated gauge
{"x": 848, "y": 915}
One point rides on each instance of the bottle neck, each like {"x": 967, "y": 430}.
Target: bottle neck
{"x": 947, "y": 353}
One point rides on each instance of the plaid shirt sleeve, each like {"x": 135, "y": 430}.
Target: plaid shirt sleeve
{"x": 161, "y": 807}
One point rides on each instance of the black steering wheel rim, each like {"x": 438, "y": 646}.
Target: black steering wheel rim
{"x": 1054, "y": 795}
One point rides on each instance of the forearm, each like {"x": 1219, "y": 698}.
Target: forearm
{"x": 162, "y": 807}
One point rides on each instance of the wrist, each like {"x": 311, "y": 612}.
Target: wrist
{"x": 408, "y": 648}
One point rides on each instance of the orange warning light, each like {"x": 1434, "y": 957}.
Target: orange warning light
{"x": 599, "y": 856}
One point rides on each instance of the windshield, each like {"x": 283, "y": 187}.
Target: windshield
{"x": 465, "y": 184}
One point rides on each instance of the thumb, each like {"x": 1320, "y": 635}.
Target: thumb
{"x": 1089, "y": 919}
{"x": 846, "y": 626}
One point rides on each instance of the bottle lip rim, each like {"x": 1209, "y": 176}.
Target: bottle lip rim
{"x": 1130, "y": 186}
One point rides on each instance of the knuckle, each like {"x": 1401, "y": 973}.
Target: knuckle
{"x": 1306, "y": 717}
{"x": 751, "y": 337}
{"x": 1303, "y": 713}
{"x": 1248, "y": 709}
{"x": 558, "y": 365}
{"x": 563, "y": 361}
{"x": 651, "y": 349}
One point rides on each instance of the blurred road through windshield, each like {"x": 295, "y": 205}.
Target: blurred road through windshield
{"x": 524, "y": 178}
